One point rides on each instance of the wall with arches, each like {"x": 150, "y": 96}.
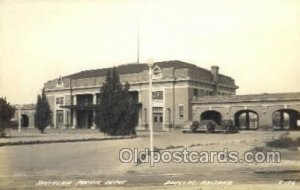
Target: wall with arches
{"x": 25, "y": 114}
{"x": 261, "y": 111}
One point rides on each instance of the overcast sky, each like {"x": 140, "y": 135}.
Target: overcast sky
{"x": 257, "y": 42}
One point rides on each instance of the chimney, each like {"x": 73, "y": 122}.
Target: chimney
{"x": 215, "y": 73}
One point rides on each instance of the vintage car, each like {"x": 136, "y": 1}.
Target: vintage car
{"x": 210, "y": 126}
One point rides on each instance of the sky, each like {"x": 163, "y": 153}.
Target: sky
{"x": 257, "y": 42}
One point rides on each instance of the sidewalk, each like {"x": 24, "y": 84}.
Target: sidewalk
{"x": 33, "y": 136}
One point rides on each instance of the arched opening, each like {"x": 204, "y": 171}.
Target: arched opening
{"x": 212, "y": 115}
{"x": 24, "y": 121}
{"x": 285, "y": 119}
{"x": 246, "y": 120}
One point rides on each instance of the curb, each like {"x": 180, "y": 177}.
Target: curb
{"x": 63, "y": 140}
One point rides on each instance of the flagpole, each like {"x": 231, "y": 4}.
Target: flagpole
{"x": 138, "y": 42}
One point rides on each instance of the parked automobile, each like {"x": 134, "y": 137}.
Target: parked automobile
{"x": 210, "y": 126}
{"x": 229, "y": 127}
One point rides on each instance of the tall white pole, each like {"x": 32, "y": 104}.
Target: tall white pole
{"x": 138, "y": 4}
{"x": 20, "y": 119}
{"x": 138, "y": 43}
{"x": 150, "y": 108}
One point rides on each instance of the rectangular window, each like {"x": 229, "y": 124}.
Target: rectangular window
{"x": 157, "y": 109}
{"x": 98, "y": 98}
{"x": 202, "y": 92}
{"x": 145, "y": 111}
{"x": 196, "y": 92}
{"x": 60, "y": 100}
{"x": 181, "y": 111}
{"x": 157, "y": 95}
{"x": 85, "y": 99}
{"x": 68, "y": 116}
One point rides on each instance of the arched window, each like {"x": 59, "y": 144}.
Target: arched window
{"x": 157, "y": 72}
{"x": 24, "y": 120}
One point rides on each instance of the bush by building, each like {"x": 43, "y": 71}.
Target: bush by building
{"x": 6, "y": 114}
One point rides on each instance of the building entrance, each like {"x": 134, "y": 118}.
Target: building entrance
{"x": 157, "y": 121}
{"x": 157, "y": 118}
{"x": 84, "y": 118}
{"x": 59, "y": 118}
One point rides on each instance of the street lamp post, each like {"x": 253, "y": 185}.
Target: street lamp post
{"x": 150, "y": 63}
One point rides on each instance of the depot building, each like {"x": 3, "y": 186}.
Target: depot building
{"x": 74, "y": 98}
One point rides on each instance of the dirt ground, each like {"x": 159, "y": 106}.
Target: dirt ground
{"x": 26, "y": 166}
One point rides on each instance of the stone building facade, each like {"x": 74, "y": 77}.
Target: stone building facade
{"x": 73, "y": 99}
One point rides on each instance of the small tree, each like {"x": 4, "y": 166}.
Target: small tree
{"x": 6, "y": 113}
{"x": 117, "y": 112}
{"x": 42, "y": 116}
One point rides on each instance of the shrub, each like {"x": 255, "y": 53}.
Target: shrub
{"x": 117, "y": 112}
{"x": 6, "y": 113}
{"x": 284, "y": 142}
{"x": 42, "y": 116}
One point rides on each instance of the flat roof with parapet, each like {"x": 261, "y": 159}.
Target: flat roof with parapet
{"x": 25, "y": 106}
{"x": 265, "y": 97}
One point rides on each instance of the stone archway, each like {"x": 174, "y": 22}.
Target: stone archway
{"x": 285, "y": 119}
{"x": 212, "y": 115}
{"x": 24, "y": 121}
{"x": 246, "y": 120}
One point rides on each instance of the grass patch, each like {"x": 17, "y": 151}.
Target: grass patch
{"x": 261, "y": 149}
{"x": 284, "y": 141}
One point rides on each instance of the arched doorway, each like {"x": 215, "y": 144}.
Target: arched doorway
{"x": 212, "y": 115}
{"x": 24, "y": 120}
{"x": 285, "y": 119}
{"x": 246, "y": 120}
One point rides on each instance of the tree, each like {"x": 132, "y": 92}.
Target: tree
{"x": 42, "y": 116}
{"x": 117, "y": 112}
{"x": 6, "y": 113}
